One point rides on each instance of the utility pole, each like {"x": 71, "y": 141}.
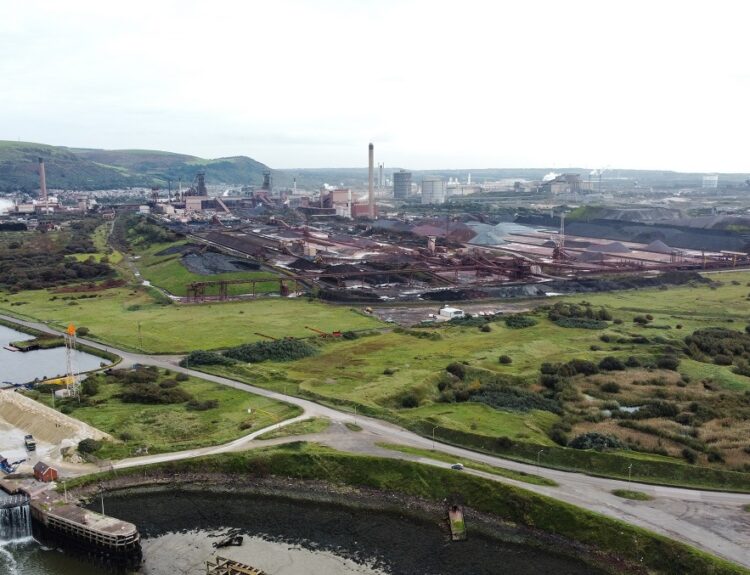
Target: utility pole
{"x": 140, "y": 335}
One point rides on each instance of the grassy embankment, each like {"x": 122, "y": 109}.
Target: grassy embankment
{"x": 172, "y": 427}
{"x": 113, "y": 316}
{"x": 437, "y": 455}
{"x": 658, "y": 554}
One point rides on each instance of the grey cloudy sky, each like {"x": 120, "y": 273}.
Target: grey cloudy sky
{"x": 453, "y": 84}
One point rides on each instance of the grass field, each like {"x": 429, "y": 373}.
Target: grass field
{"x": 167, "y": 272}
{"x": 115, "y": 314}
{"x": 375, "y": 373}
{"x": 173, "y": 427}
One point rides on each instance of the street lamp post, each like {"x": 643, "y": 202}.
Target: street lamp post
{"x": 433, "y": 436}
{"x": 630, "y": 470}
{"x": 539, "y": 457}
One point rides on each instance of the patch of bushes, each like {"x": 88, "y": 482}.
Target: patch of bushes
{"x": 669, "y": 362}
{"x": 201, "y": 357}
{"x": 611, "y": 363}
{"x": 597, "y": 441}
{"x": 519, "y": 321}
{"x": 89, "y": 445}
{"x": 279, "y": 350}
{"x": 505, "y": 359}
{"x": 195, "y": 405}
{"x": 610, "y": 387}
{"x": 581, "y": 323}
{"x": 150, "y": 394}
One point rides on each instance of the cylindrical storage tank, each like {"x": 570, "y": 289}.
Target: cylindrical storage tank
{"x": 401, "y": 184}
{"x": 433, "y": 191}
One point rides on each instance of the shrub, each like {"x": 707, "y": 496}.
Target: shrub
{"x": 201, "y": 357}
{"x": 90, "y": 387}
{"x": 611, "y": 363}
{"x": 582, "y": 366}
{"x": 632, "y": 361}
{"x": 558, "y": 435}
{"x": 669, "y": 362}
{"x": 349, "y": 335}
{"x": 610, "y": 387}
{"x": 409, "y": 401}
{"x": 167, "y": 383}
{"x": 182, "y": 377}
{"x": 389, "y": 371}
{"x": 689, "y": 455}
{"x": 485, "y": 328}
{"x": 519, "y": 321}
{"x": 82, "y": 331}
{"x": 581, "y": 323}
{"x": 89, "y": 445}
{"x": 617, "y": 321}
{"x": 594, "y": 440}
{"x": 505, "y": 359}
{"x": 195, "y": 405}
{"x": 640, "y": 320}
{"x": 148, "y": 393}
{"x": 722, "y": 359}
{"x": 457, "y": 369}
{"x": 279, "y": 350}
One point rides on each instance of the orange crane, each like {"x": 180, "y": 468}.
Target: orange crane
{"x": 324, "y": 333}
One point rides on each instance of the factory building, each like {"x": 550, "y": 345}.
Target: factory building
{"x": 433, "y": 191}
{"x": 564, "y": 184}
{"x": 401, "y": 184}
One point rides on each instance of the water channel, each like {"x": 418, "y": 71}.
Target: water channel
{"x": 22, "y": 367}
{"x": 289, "y": 537}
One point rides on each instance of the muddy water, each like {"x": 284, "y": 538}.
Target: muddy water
{"x": 285, "y": 537}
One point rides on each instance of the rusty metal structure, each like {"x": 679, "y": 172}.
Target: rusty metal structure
{"x": 224, "y": 566}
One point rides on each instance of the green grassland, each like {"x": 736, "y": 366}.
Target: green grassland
{"x": 642, "y": 549}
{"x": 168, "y": 272}
{"x": 113, "y": 316}
{"x": 376, "y": 373}
{"x": 174, "y": 427}
{"x": 313, "y": 425}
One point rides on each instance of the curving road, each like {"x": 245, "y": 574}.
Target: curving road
{"x": 710, "y": 520}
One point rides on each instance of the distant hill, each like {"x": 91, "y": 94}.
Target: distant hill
{"x": 91, "y": 169}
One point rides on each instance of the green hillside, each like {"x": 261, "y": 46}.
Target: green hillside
{"x": 87, "y": 169}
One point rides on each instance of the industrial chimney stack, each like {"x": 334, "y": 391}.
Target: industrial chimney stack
{"x": 370, "y": 182}
{"x": 42, "y": 185}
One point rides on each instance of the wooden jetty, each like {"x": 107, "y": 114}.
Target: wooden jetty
{"x": 223, "y": 566}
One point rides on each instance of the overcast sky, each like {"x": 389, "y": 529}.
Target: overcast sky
{"x": 456, "y": 84}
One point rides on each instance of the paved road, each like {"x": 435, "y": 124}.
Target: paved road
{"x": 713, "y": 521}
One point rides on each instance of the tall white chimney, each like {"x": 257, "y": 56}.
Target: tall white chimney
{"x": 42, "y": 185}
